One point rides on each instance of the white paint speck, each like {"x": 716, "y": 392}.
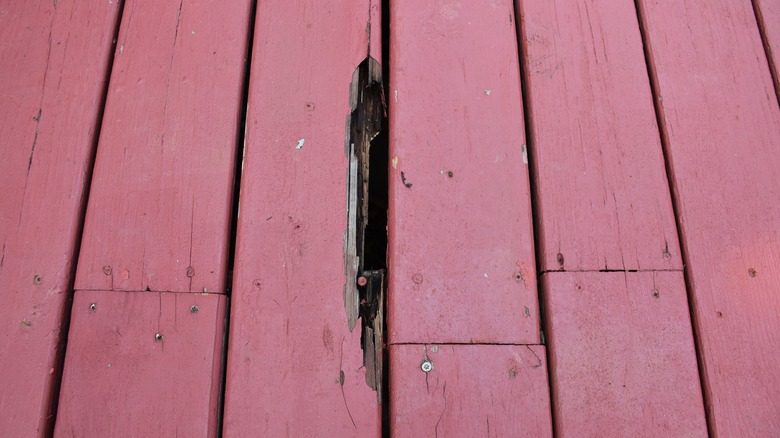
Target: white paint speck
{"x": 485, "y": 274}
{"x": 121, "y": 48}
{"x": 395, "y": 93}
{"x": 487, "y": 92}
{"x": 300, "y": 143}
{"x": 193, "y": 32}
{"x": 525, "y": 154}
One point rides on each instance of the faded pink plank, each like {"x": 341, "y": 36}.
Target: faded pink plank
{"x": 460, "y": 252}
{"x": 768, "y": 16}
{"x": 120, "y": 380}
{"x": 722, "y": 126}
{"x": 622, "y": 355}
{"x": 159, "y": 208}
{"x": 602, "y": 194}
{"x": 54, "y": 59}
{"x": 472, "y": 390}
{"x": 294, "y": 368}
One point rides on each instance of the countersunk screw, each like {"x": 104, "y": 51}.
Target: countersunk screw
{"x": 158, "y": 337}
{"x": 426, "y": 366}
{"x": 92, "y": 307}
{"x": 194, "y": 309}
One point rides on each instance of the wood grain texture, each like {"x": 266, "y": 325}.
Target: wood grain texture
{"x": 768, "y": 16}
{"x": 472, "y": 390}
{"x": 722, "y": 127}
{"x": 53, "y": 66}
{"x": 160, "y": 203}
{"x": 120, "y": 380}
{"x": 294, "y": 367}
{"x": 622, "y": 355}
{"x": 603, "y": 198}
{"x": 460, "y": 250}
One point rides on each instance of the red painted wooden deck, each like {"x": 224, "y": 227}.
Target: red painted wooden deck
{"x": 583, "y": 218}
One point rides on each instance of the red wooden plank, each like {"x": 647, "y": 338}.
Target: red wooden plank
{"x": 722, "y": 127}
{"x": 122, "y": 380}
{"x": 471, "y": 390}
{"x": 159, "y": 208}
{"x": 768, "y": 15}
{"x": 294, "y": 367}
{"x": 55, "y": 58}
{"x": 158, "y": 219}
{"x": 622, "y": 355}
{"x": 460, "y": 252}
{"x": 603, "y": 196}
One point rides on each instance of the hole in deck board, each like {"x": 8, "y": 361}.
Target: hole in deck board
{"x": 367, "y": 194}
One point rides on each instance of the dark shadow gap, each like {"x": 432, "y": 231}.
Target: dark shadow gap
{"x": 67, "y": 308}
{"x": 533, "y": 170}
{"x": 773, "y": 67}
{"x": 664, "y": 136}
{"x": 238, "y": 168}
{"x": 383, "y": 165}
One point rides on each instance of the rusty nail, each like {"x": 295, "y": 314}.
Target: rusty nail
{"x": 158, "y": 337}
{"x": 426, "y": 366}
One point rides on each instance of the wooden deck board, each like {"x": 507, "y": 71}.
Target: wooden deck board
{"x": 602, "y": 194}
{"x": 721, "y": 123}
{"x": 460, "y": 250}
{"x": 158, "y": 221}
{"x": 160, "y": 204}
{"x": 294, "y": 368}
{"x": 621, "y": 354}
{"x": 120, "y": 380}
{"x": 603, "y": 203}
{"x": 472, "y": 390}
{"x": 54, "y": 60}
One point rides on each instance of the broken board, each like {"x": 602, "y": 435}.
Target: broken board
{"x": 142, "y": 364}
{"x": 721, "y": 126}
{"x": 55, "y": 62}
{"x": 294, "y": 367}
{"x": 469, "y": 390}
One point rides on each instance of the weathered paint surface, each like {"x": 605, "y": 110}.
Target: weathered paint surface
{"x": 603, "y": 199}
{"x": 158, "y": 222}
{"x": 460, "y": 253}
{"x": 721, "y": 123}
{"x": 159, "y": 208}
{"x": 294, "y": 367}
{"x": 53, "y": 63}
{"x": 470, "y": 390}
{"x": 622, "y": 356}
{"x": 142, "y": 364}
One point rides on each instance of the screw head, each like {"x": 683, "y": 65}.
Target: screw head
{"x": 158, "y": 337}
{"x": 426, "y": 366}
{"x": 92, "y": 307}
{"x": 362, "y": 281}
{"x": 194, "y": 309}
{"x": 37, "y": 279}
